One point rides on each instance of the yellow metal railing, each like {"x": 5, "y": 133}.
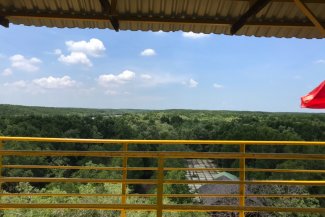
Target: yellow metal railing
{"x": 160, "y": 170}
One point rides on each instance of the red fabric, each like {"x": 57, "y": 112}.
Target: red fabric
{"x": 315, "y": 99}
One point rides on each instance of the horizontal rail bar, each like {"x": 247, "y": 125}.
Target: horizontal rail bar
{"x": 173, "y": 208}
{"x": 165, "y": 195}
{"x": 286, "y": 195}
{"x": 192, "y": 208}
{"x": 253, "y": 182}
{"x": 154, "y": 154}
{"x": 173, "y": 142}
{"x": 154, "y": 181}
{"x": 155, "y": 168}
{"x": 72, "y": 195}
{"x": 77, "y": 167}
{"x": 247, "y": 195}
{"x": 79, "y": 206}
{"x": 77, "y": 180}
{"x": 247, "y": 170}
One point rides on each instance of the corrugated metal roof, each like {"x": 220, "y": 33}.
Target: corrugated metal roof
{"x": 279, "y": 18}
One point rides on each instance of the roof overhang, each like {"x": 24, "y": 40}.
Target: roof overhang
{"x": 268, "y": 18}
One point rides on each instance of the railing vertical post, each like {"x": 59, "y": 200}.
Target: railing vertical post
{"x": 124, "y": 177}
{"x": 160, "y": 186}
{"x": 242, "y": 179}
{"x": 1, "y": 148}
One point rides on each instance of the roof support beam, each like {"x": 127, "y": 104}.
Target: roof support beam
{"x": 253, "y": 10}
{"x": 311, "y": 16}
{"x": 4, "y": 22}
{"x": 110, "y": 9}
{"x": 113, "y": 11}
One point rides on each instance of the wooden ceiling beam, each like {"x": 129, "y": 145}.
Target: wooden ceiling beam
{"x": 256, "y": 7}
{"x": 4, "y": 21}
{"x": 311, "y": 16}
{"x": 110, "y": 9}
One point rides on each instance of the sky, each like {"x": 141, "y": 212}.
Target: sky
{"x": 94, "y": 68}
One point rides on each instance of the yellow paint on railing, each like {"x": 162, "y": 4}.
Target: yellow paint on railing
{"x": 172, "y": 142}
{"x": 160, "y": 181}
{"x": 154, "y": 168}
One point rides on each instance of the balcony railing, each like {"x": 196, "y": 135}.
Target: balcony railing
{"x": 126, "y": 153}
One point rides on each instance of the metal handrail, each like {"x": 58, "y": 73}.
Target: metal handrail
{"x": 160, "y": 181}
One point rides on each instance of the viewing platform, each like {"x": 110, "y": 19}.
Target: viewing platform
{"x": 126, "y": 150}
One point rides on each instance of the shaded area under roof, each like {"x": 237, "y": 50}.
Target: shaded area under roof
{"x": 276, "y": 18}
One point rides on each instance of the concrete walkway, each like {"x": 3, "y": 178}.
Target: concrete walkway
{"x": 200, "y": 175}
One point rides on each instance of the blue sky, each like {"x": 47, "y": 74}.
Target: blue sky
{"x": 105, "y": 69}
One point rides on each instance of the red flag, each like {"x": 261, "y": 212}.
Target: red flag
{"x": 315, "y": 99}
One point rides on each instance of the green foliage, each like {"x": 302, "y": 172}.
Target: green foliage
{"x": 177, "y": 188}
{"x": 288, "y": 202}
{"x": 81, "y": 189}
{"x": 141, "y": 124}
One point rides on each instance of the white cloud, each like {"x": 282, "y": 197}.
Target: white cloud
{"x": 146, "y": 77}
{"x": 217, "y": 86}
{"x": 193, "y": 35}
{"x": 41, "y": 85}
{"x": 57, "y": 52}
{"x": 108, "y": 79}
{"x": 80, "y": 51}
{"x": 160, "y": 32}
{"x": 55, "y": 82}
{"x": 7, "y": 72}
{"x": 17, "y": 84}
{"x": 75, "y": 58}
{"x": 152, "y": 80}
{"x": 320, "y": 61}
{"x": 191, "y": 83}
{"x": 94, "y": 47}
{"x": 20, "y": 62}
{"x": 148, "y": 52}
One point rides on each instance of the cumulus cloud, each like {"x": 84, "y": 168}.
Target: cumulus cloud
{"x": 193, "y": 35}
{"x": 57, "y": 52}
{"x": 146, "y": 77}
{"x": 20, "y": 62}
{"x": 75, "y": 58}
{"x": 94, "y": 47}
{"x": 217, "y": 86}
{"x": 320, "y": 61}
{"x": 7, "y": 72}
{"x": 81, "y": 51}
{"x": 17, "y": 84}
{"x": 109, "y": 79}
{"x": 191, "y": 83}
{"x": 128, "y": 81}
{"x": 148, "y": 52}
{"x": 41, "y": 85}
{"x": 55, "y": 82}
{"x": 151, "y": 80}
